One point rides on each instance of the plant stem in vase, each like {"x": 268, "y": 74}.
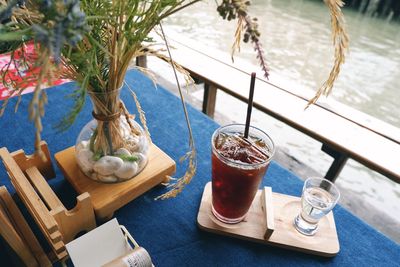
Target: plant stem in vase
{"x": 113, "y": 147}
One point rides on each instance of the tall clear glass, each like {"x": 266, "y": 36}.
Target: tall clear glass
{"x": 238, "y": 166}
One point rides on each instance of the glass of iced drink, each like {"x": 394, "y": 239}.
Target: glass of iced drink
{"x": 238, "y": 166}
{"x": 318, "y": 199}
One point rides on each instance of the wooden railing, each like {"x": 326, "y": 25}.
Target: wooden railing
{"x": 344, "y": 132}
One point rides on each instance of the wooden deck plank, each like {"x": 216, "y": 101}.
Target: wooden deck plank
{"x": 378, "y": 126}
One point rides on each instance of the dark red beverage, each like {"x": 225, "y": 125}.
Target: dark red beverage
{"x": 238, "y": 166}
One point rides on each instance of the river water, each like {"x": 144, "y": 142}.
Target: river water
{"x": 296, "y": 37}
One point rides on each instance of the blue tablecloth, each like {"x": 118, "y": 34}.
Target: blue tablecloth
{"x": 167, "y": 229}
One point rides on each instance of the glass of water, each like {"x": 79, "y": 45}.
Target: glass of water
{"x": 318, "y": 199}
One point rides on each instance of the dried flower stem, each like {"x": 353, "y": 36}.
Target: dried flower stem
{"x": 232, "y": 9}
{"x": 341, "y": 43}
{"x": 181, "y": 182}
{"x": 251, "y": 27}
{"x": 142, "y": 115}
{"x": 39, "y": 99}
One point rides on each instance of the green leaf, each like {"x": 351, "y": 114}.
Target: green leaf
{"x": 97, "y": 156}
{"x": 15, "y": 36}
{"x": 128, "y": 158}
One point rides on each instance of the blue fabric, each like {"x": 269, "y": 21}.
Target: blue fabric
{"x": 167, "y": 229}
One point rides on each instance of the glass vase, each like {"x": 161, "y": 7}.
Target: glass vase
{"x": 112, "y": 147}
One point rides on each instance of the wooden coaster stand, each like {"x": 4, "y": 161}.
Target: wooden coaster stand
{"x": 270, "y": 221}
{"x": 28, "y": 174}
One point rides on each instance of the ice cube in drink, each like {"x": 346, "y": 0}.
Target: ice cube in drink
{"x": 238, "y": 166}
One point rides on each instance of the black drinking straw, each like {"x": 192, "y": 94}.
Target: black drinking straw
{"x": 250, "y": 105}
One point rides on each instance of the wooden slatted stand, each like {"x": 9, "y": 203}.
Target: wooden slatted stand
{"x": 58, "y": 225}
{"x": 15, "y": 230}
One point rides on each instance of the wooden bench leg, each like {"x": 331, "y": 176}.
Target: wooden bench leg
{"x": 339, "y": 160}
{"x": 196, "y": 79}
{"x": 209, "y": 99}
{"x": 141, "y": 61}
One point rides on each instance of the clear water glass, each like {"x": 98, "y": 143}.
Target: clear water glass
{"x": 319, "y": 197}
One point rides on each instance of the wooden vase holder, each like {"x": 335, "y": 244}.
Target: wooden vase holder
{"x": 107, "y": 198}
{"x": 270, "y": 221}
{"x": 28, "y": 174}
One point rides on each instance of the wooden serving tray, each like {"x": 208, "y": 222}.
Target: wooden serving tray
{"x": 281, "y": 231}
{"x": 107, "y": 198}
